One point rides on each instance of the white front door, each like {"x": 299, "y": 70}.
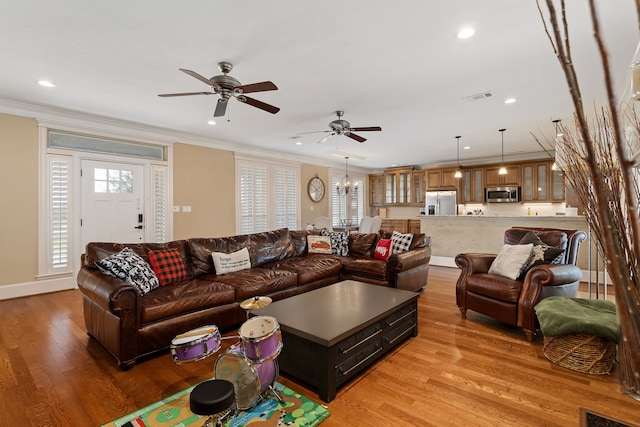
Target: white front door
{"x": 112, "y": 202}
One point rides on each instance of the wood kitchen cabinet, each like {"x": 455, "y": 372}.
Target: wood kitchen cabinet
{"x": 472, "y": 186}
{"x": 542, "y": 184}
{"x": 493, "y": 179}
{"x": 557, "y": 186}
{"x": 376, "y": 190}
{"x": 441, "y": 179}
{"x": 419, "y": 187}
{"x": 397, "y": 186}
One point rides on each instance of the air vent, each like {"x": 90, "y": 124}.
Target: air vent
{"x": 479, "y": 96}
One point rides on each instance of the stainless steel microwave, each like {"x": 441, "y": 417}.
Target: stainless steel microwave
{"x": 502, "y": 194}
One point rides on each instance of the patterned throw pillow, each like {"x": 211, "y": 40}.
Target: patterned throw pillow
{"x": 319, "y": 244}
{"x": 541, "y": 253}
{"x": 383, "y": 249}
{"x": 168, "y": 266}
{"x": 400, "y": 242}
{"x": 339, "y": 241}
{"x": 130, "y": 267}
{"x": 228, "y": 263}
{"x": 511, "y": 260}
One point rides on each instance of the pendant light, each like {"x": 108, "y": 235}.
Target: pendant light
{"x": 458, "y": 173}
{"x": 503, "y": 170}
{"x": 554, "y": 166}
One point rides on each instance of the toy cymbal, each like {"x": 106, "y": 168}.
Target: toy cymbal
{"x": 255, "y": 302}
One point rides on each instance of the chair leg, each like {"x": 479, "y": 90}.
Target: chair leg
{"x": 530, "y": 334}
{"x": 463, "y": 312}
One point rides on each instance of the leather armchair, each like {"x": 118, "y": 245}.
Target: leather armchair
{"x": 513, "y": 301}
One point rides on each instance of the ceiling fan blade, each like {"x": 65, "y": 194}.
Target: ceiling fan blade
{"x": 221, "y": 108}
{"x": 317, "y": 131}
{"x": 185, "y": 94}
{"x": 366, "y": 129}
{"x": 356, "y": 137}
{"x": 257, "y": 87}
{"x": 326, "y": 137}
{"x": 259, "y": 104}
{"x": 197, "y": 76}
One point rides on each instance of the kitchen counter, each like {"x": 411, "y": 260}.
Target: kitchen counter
{"x": 451, "y": 235}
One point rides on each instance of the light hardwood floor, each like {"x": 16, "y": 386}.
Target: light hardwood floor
{"x": 477, "y": 372}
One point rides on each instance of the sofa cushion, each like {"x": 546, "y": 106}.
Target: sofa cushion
{"x": 362, "y": 244}
{"x": 185, "y": 297}
{"x": 363, "y": 267}
{"x": 494, "y": 286}
{"x": 309, "y": 268}
{"x": 228, "y": 263}
{"x": 418, "y": 240}
{"x": 168, "y": 266}
{"x": 130, "y": 267}
{"x": 256, "y": 281}
{"x": 299, "y": 241}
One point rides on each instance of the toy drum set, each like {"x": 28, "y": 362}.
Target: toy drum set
{"x": 249, "y": 365}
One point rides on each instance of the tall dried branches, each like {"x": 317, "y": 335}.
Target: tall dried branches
{"x": 598, "y": 167}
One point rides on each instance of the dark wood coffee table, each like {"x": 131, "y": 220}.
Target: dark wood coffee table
{"x": 331, "y": 334}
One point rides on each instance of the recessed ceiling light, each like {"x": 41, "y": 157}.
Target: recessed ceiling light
{"x": 468, "y": 147}
{"x": 465, "y": 33}
{"x": 46, "y": 83}
{"x": 211, "y": 122}
{"x": 298, "y": 142}
{"x": 509, "y": 100}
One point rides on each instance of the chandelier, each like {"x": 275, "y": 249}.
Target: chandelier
{"x": 344, "y": 185}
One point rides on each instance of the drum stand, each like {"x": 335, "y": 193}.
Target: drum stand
{"x": 275, "y": 394}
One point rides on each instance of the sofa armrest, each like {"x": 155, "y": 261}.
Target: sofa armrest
{"x": 473, "y": 263}
{"x": 409, "y": 270}
{"x": 409, "y": 259}
{"x": 537, "y": 278}
{"x": 110, "y": 293}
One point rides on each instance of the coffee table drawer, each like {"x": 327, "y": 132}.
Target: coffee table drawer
{"x": 350, "y": 346}
{"x": 358, "y": 360}
{"x": 400, "y": 325}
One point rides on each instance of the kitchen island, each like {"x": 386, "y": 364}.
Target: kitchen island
{"x": 451, "y": 235}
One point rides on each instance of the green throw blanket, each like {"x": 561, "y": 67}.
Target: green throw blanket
{"x": 561, "y": 316}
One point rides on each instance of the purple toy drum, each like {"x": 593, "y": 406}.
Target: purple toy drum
{"x": 261, "y": 338}
{"x": 195, "y": 345}
{"x": 250, "y": 380}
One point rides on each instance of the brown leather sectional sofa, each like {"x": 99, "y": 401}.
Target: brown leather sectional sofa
{"x": 130, "y": 325}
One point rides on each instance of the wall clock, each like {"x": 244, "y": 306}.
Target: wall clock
{"x": 315, "y": 189}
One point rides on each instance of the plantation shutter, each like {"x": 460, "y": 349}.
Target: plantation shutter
{"x": 267, "y": 195}
{"x": 253, "y": 198}
{"x": 160, "y": 208}
{"x": 59, "y": 213}
{"x": 286, "y": 198}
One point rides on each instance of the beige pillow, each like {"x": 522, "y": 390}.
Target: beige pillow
{"x": 319, "y": 244}
{"x": 228, "y": 263}
{"x": 511, "y": 260}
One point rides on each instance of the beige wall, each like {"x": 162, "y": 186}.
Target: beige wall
{"x": 19, "y": 193}
{"x": 203, "y": 178}
{"x": 311, "y": 210}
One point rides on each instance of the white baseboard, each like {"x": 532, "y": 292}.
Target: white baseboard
{"x": 37, "y": 287}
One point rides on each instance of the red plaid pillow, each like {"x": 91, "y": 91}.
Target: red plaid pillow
{"x": 168, "y": 266}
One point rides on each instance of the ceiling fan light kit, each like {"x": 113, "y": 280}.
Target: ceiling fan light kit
{"x": 227, "y": 87}
{"x": 343, "y": 127}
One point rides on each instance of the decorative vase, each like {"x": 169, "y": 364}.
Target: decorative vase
{"x": 629, "y": 375}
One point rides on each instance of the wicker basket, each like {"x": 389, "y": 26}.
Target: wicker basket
{"x": 589, "y": 354}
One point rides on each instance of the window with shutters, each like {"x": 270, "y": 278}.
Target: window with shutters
{"x": 267, "y": 195}
{"x": 346, "y": 209}
{"x": 59, "y": 209}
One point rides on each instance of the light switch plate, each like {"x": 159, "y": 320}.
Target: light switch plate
{"x": 186, "y": 209}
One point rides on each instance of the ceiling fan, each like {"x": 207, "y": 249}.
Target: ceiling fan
{"x": 227, "y": 87}
{"x": 343, "y": 127}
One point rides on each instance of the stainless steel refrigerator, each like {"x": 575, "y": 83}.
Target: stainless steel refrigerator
{"x": 441, "y": 203}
